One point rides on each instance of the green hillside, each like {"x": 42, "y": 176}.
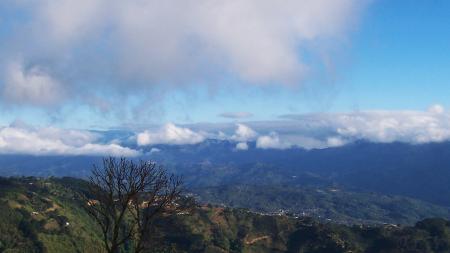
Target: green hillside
{"x": 45, "y": 215}
{"x": 324, "y": 203}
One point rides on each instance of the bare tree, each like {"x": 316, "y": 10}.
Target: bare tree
{"x": 126, "y": 197}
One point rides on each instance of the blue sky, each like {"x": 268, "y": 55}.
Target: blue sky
{"x": 400, "y": 56}
{"x": 393, "y": 55}
{"x": 397, "y": 59}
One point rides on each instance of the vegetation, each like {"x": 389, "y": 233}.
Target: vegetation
{"x": 46, "y": 215}
{"x": 325, "y": 203}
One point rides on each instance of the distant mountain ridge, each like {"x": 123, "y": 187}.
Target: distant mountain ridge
{"x": 419, "y": 171}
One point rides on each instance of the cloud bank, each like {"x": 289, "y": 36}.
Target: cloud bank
{"x": 324, "y": 130}
{"x": 415, "y": 127}
{"x": 54, "y": 141}
{"x": 307, "y": 131}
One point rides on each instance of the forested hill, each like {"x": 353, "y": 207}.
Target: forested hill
{"x": 329, "y": 204}
{"x": 46, "y": 215}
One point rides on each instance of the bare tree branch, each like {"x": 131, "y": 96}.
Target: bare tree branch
{"x": 126, "y": 197}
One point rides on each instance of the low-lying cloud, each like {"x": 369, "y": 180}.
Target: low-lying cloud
{"x": 307, "y": 131}
{"x": 55, "y": 141}
{"x": 271, "y": 141}
{"x": 415, "y": 127}
{"x": 322, "y": 130}
{"x": 242, "y": 146}
{"x": 169, "y": 134}
{"x": 243, "y": 133}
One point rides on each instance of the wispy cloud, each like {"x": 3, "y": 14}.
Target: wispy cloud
{"x": 236, "y": 115}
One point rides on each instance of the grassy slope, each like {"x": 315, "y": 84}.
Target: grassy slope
{"x": 47, "y": 215}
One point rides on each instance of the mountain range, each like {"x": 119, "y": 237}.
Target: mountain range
{"x": 389, "y": 176}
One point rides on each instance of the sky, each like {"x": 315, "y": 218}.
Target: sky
{"x": 352, "y": 69}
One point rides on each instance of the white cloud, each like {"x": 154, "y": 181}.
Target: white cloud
{"x": 68, "y": 21}
{"x": 322, "y": 130}
{"x": 30, "y": 86}
{"x": 271, "y": 141}
{"x": 335, "y": 141}
{"x": 151, "y": 30}
{"x": 243, "y": 133}
{"x": 306, "y": 131}
{"x": 151, "y": 42}
{"x": 221, "y": 136}
{"x": 236, "y": 115}
{"x": 438, "y": 109}
{"x": 242, "y": 146}
{"x": 377, "y": 126}
{"x": 155, "y": 150}
{"x": 415, "y": 127}
{"x": 54, "y": 141}
{"x": 169, "y": 134}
